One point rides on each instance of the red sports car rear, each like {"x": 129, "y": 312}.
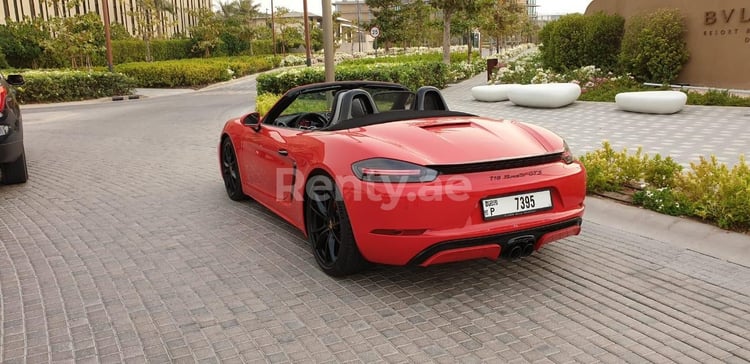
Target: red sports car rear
{"x": 388, "y": 181}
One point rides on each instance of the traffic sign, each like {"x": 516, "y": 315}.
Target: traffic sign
{"x": 375, "y": 32}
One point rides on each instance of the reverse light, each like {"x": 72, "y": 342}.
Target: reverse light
{"x": 567, "y": 155}
{"x": 392, "y": 171}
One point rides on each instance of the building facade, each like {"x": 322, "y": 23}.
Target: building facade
{"x": 718, "y": 37}
{"x": 177, "y": 21}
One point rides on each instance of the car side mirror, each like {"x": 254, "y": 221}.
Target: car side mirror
{"x": 15, "y": 80}
{"x": 252, "y": 120}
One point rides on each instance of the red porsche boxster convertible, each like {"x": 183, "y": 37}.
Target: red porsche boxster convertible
{"x": 371, "y": 172}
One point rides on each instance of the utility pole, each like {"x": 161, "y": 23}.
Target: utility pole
{"x": 328, "y": 45}
{"x": 107, "y": 35}
{"x": 273, "y": 31}
{"x": 308, "y": 62}
{"x": 359, "y": 34}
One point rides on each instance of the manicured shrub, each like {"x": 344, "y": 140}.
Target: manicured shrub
{"x": 602, "y": 40}
{"x": 709, "y": 190}
{"x": 3, "y": 61}
{"x": 661, "y": 172}
{"x": 258, "y": 47}
{"x": 194, "y": 72}
{"x": 563, "y": 42}
{"x": 265, "y": 102}
{"x": 175, "y": 73}
{"x": 576, "y": 40}
{"x": 716, "y": 97}
{"x": 663, "y": 200}
{"x": 133, "y": 50}
{"x": 718, "y": 193}
{"x": 411, "y": 75}
{"x": 58, "y": 86}
{"x": 653, "y": 47}
{"x": 608, "y": 170}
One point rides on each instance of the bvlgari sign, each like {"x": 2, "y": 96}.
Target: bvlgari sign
{"x": 729, "y": 23}
{"x": 718, "y": 37}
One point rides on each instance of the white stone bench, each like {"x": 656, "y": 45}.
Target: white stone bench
{"x": 651, "y": 102}
{"x": 492, "y": 93}
{"x": 546, "y": 95}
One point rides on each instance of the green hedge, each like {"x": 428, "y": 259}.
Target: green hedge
{"x": 124, "y": 51}
{"x": 411, "y": 75}
{"x": 654, "y": 47}
{"x": 194, "y": 72}
{"x": 59, "y": 86}
{"x": 576, "y": 40}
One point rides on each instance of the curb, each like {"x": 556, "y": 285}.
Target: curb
{"x": 676, "y": 231}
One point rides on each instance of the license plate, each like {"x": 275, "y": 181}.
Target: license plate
{"x": 516, "y": 204}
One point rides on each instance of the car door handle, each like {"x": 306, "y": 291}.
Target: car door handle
{"x": 283, "y": 152}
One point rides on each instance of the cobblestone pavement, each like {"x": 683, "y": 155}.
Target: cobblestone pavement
{"x": 123, "y": 247}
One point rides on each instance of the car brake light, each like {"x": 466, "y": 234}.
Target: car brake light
{"x": 392, "y": 171}
{"x": 567, "y": 155}
{"x": 3, "y": 94}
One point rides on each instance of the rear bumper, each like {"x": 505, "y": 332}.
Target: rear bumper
{"x": 494, "y": 246}
{"x": 10, "y": 150}
{"x": 442, "y": 221}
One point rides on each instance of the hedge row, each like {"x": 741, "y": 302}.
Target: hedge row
{"x": 194, "y": 72}
{"x": 576, "y": 40}
{"x": 59, "y": 86}
{"x": 134, "y": 50}
{"x": 411, "y": 75}
{"x": 651, "y": 46}
{"x": 125, "y": 51}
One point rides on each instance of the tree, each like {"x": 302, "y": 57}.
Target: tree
{"x": 23, "y": 42}
{"x": 206, "y": 34}
{"x": 389, "y": 19}
{"x": 449, "y": 8}
{"x": 467, "y": 19}
{"x": 417, "y": 25}
{"x": 501, "y": 18}
{"x": 149, "y": 16}
{"x": 240, "y": 26}
{"x": 290, "y": 36}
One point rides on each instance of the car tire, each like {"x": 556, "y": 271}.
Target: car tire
{"x": 230, "y": 171}
{"x": 14, "y": 172}
{"x": 329, "y": 230}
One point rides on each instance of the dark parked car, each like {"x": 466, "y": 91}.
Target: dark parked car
{"x": 12, "y": 156}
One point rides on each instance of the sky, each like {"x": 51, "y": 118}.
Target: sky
{"x": 546, "y": 7}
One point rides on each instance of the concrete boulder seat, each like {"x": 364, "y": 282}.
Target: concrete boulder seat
{"x": 651, "y": 102}
{"x": 546, "y": 95}
{"x": 491, "y": 93}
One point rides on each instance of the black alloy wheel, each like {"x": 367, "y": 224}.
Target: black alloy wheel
{"x": 230, "y": 171}
{"x": 329, "y": 229}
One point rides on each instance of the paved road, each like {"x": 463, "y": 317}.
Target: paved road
{"x": 123, "y": 247}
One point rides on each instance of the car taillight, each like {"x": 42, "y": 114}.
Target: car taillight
{"x": 392, "y": 171}
{"x": 3, "y": 95}
{"x": 567, "y": 155}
